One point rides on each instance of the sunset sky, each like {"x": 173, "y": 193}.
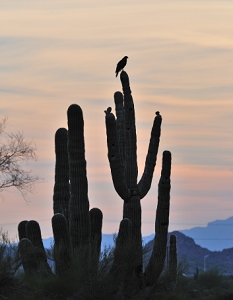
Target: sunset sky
{"x": 56, "y": 53}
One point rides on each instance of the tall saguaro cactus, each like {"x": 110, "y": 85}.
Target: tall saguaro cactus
{"x": 77, "y": 231}
{"x": 79, "y": 219}
{"x": 122, "y": 155}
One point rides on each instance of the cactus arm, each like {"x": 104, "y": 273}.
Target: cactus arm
{"x": 96, "y": 218}
{"x": 145, "y": 182}
{"x": 28, "y": 256}
{"x": 79, "y": 220}
{"x": 22, "y": 230}
{"x": 62, "y": 249}
{"x": 120, "y": 125}
{"x": 61, "y": 186}
{"x": 172, "y": 272}
{"x": 131, "y": 167}
{"x": 122, "y": 254}
{"x": 114, "y": 158}
{"x": 34, "y": 235}
{"x": 156, "y": 263}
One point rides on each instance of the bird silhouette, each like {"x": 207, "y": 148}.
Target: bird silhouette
{"x": 121, "y": 64}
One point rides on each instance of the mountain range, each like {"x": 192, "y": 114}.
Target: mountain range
{"x": 216, "y": 236}
{"x": 191, "y": 255}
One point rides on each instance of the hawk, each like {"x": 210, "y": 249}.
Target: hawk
{"x": 121, "y": 64}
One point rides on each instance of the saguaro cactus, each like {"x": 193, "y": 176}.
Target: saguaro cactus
{"x": 82, "y": 226}
{"x": 79, "y": 218}
{"x": 122, "y": 155}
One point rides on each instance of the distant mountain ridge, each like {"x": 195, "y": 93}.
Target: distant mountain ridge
{"x": 216, "y": 236}
{"x": 191, "y": 255}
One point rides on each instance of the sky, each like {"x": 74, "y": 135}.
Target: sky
{"x": 56, "y": 53}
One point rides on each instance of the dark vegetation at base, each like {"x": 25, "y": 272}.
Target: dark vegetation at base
{"x": 72, "y": 285}
{"x": 210, "y": 285}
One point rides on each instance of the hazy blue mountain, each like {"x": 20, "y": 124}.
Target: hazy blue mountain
{"x": 191, "y": 255}
{"x": 107, "y": 240}
{"x": 216, "y": 236}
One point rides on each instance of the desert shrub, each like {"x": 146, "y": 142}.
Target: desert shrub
{"x": 9, "y": 262}
{"x": 210, "y": 279}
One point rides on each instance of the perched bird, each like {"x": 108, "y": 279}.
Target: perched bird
{"x": 120, "y": 66}
{"x": 109, "y": 109}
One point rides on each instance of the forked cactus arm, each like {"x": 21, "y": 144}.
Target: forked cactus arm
{"x": 156, "y": 263}
{"x": 147, "y": 176}
{"x": 114, "y": 158}
{"x": 79, "y": 220}
{"x": 131, "y": 167}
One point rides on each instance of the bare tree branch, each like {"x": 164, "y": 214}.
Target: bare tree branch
{"x": 15, "y": 153}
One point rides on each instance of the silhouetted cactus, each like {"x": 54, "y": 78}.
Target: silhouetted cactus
{"x": 156, "y": 263}
{"x": 172, "y": 270}
{"x": 123, "y": 251}
{"x": 79, "y": 219}
{"x": 29, "y": 257}
{"x": 33, "y": 247}
{"x": 22, "y": 229}
{"x": 96, "y": 219}
{"x": 196, "y": 273}
{"x": 61, "y": 191}
{"x": 62, "y": 247}
{"x": 122, "y": 155}
{"x": 77, "y": 231}
{"x": 84, "y": 227}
